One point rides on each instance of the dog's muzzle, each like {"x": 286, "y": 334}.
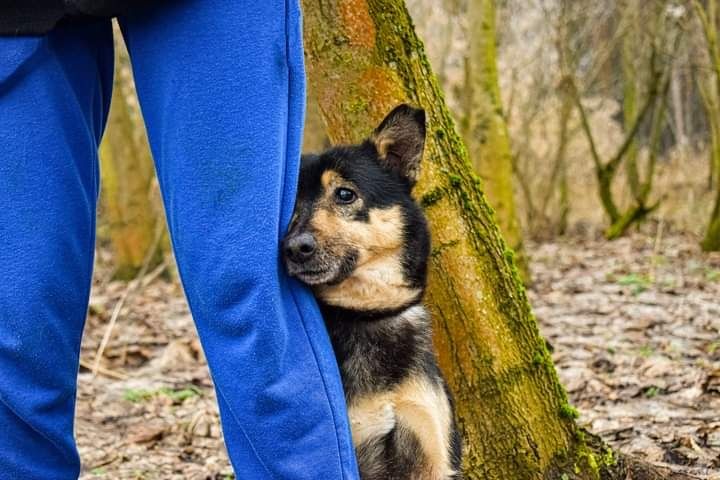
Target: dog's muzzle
{"x": 300, "y": 248}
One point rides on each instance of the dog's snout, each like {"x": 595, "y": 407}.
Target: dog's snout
{"x": 300, "y": 248}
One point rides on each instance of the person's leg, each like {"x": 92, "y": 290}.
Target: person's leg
{"x": 54, "y": 96}
{"x": 221, "y": 86}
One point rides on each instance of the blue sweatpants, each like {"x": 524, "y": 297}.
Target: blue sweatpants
{"x": 221, "y": 87}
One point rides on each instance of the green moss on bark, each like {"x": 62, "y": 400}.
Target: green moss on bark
{"x": 431, "y": 197}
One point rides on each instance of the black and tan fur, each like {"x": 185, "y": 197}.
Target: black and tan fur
{"x": 362, "y": 243}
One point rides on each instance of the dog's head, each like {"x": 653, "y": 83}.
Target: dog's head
{"x": 357, "y": 236}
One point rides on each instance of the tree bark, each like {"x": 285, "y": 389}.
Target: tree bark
{"x": 129, "y": 200}
{"x": 363, "y": 59}
{"x": 486, "y": 135}
{"x": 314, "y": 136}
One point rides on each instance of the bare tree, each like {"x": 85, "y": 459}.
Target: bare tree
{"x": 710, "y": 90}
{"x": 662, "y": 44}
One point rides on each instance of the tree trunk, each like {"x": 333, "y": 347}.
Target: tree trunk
{"x": 130, "y": 202}
{"x": 557, "y": 183}
{"x": 486, "y": 135}
{"x": 628, "y": 57}
{"x": 314, "y": 137}
{"x": 363, "y": 59}
{"x": 678, "y": 109}
{"x": 707, "y": 15}
{"x": 711, "y": 240}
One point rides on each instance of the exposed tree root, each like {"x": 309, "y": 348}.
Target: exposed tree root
{"x": 632, "y": 468}
{"x": 628, "y": 467}
{"x": 593, "y": 459}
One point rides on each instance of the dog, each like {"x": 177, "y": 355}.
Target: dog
{"x": 361, "y": 242}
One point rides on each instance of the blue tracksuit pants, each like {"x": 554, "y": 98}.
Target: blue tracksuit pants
{"x": 221, "y": 87}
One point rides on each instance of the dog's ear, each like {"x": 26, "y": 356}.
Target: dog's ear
{"x": 400, "y": 140}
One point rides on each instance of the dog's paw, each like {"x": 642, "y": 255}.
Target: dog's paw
{"x": 373, "y": 420}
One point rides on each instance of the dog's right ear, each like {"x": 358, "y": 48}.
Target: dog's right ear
{"x": 400, "y": 140}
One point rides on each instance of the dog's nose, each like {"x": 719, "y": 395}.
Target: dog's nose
{"x": 300, "y": 248}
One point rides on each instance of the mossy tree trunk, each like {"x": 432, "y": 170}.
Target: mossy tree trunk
{"x": 314, "y": 134}
{"x": 363, "y": 59}
{"x": 630, "y": 77}
{"x": 707, "y": 15}
{"x": 131, "y": 212}
{"x": 486, "y": 133}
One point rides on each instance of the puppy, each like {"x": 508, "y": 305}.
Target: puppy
{"x": 361, "y": 242}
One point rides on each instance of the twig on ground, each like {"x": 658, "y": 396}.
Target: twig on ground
{"x": 129, "y": 290}
{"x": 152, "y": 276}
{"x": 105, "y": 462}
{"x": 104, "y": 371}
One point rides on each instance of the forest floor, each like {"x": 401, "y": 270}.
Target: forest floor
{"x": 634, "y": 325}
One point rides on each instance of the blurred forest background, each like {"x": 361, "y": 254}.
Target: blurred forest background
{"x": 594, "y": 127}
{"x": 611, "y": 109}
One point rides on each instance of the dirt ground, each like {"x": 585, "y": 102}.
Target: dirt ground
{"x": 634, "y": 324}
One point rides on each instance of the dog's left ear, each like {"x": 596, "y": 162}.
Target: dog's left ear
{"x": 400, "y": 140}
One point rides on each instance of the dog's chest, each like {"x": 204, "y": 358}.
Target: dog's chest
{"x": 375, "y": 356}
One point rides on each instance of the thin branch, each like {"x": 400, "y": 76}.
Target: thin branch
{"x": 129, "y": 290}
{"x": 103, "y": 371}
{"x": 614, "y": 162}
{"x": 599, "y": 167}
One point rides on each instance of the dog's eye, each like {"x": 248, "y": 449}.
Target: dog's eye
{"x": 345, "y": 195}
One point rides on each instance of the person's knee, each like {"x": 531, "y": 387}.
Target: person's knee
{"x": 237, "y": 283}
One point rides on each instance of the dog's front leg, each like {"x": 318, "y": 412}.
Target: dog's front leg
{"x": 422, "y": 407}
{"x": 371, "y": 416}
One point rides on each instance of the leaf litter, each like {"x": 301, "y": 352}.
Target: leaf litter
{"x": 634, "y": 326}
